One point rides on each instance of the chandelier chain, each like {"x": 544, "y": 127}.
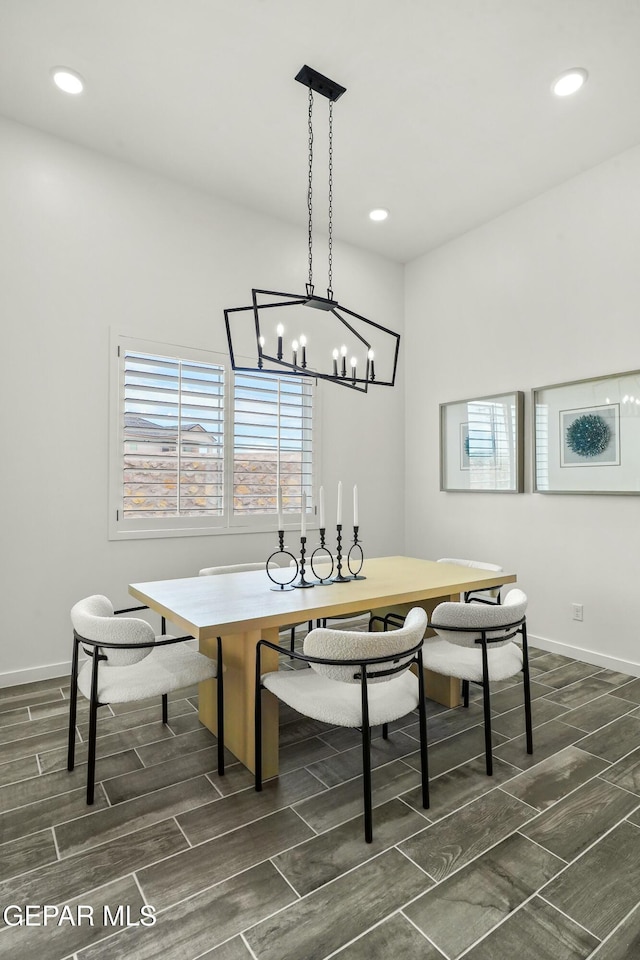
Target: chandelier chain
{"x": 330, "y": 287}
{"x": 310, "y": 189}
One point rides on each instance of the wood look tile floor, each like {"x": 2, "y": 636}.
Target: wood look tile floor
{"x": 541, "y": 861}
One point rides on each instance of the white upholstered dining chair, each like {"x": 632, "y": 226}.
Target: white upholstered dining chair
{"x": 356, "y": 680}
{"x": 475, "y": 642}
{"x": 128, "y": 662}
{"x": 481, "y": 595}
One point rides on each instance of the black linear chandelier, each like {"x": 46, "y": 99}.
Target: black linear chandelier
{"x": 345, "y": 348}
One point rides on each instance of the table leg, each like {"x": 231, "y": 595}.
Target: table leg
{"x": 239, "y": 657}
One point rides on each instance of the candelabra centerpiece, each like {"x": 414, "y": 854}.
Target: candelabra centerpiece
{"x": 342, "y": 569}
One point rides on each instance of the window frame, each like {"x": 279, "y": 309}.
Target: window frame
{"x": 120, "y": 528}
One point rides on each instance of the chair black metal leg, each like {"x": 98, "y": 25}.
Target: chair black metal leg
{"x": 424, "y": 753}
{"x": 366, "y": 761}
{"x": 93, "y": 723}
{"x": 465, "y": 693}
{"x": 366, "y": 785}
{"x": 91, "y": 769}
{"x": 527, "y": 689}
{"x": 165, "y": 703}
{"x": 487, "y": 710}
{"x": 73, "y": 706}
{"x": 292, "y": 639}
{"x": 220, "y": 705}
{"x": 258, "y": 724}
{"x": 385, "y": 731}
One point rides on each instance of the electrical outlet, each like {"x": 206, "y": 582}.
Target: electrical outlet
{"x": 577, "y": 609}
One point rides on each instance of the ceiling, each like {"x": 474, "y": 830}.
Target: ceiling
{"x": 448, "y": 119}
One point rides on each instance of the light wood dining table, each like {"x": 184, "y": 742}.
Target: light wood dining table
{"x": 242, "y": 609}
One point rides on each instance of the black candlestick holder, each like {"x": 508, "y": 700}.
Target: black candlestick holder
{"x": 286, "y": 584}
{"x": 302, "y": 583}
{"x": 339, "y": 577}
{"x": 319, "y": 552}
{"x": 355, "y": 557}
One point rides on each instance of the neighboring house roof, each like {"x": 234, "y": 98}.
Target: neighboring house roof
{"x": 140, "y": 428}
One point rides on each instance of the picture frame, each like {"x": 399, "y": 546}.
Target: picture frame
{"x": 481, "y": 444}
{"x": 586, "y": 436}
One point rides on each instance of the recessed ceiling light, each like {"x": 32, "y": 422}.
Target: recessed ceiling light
{"x": 378, "y": 214}
{"x": 67, "y": 80}
{"x": 569, "y": 82}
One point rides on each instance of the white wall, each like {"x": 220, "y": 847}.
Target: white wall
{"x": 86, "y": 244}
{"x": 546, "y": 293}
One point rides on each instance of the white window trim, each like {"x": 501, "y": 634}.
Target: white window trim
{"x": 120, "y": 529}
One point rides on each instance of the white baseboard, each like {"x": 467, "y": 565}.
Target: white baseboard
{"x": 588, "y": 656}
{"x": 36, "y": 673}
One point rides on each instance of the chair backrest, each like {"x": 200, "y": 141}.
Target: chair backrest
{"x": 480, "y": 565}
{"x": 231, "y": 568}
{"x": 93, "y": 619}
{"x": 462, "y": 623}
{"x": 354, "y": 645}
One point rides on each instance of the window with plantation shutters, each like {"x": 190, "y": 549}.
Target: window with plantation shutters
{"x": 172, "y": 438}
{"x": 272, "y": 443}
{"x": 195, "y": 451}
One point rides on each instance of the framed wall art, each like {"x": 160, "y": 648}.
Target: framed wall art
{"x": 481, "y": 444}
{"x": 586, "y": 436}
